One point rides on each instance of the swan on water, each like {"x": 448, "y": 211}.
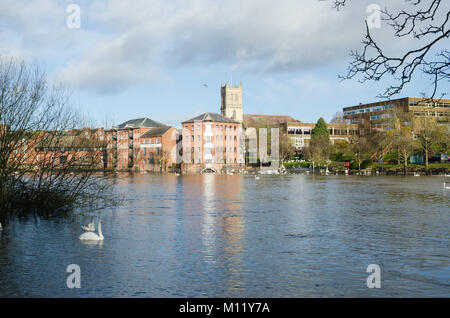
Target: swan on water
{"x": 90, "y": 227}
{"x": 416, "y": 174}
{"x": 446, "y": 186}
{"x": 91, "y": 236}
{"x": 256, "y": 178}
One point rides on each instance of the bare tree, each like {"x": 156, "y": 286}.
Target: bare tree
{"x": 403, "y": 142}
{"x": 318, "y": 151}
{"x": 427, "y": 135}
{"x": 361, "y": 147}
{"x": 47, "y": 163}
{"x": 287, "y": 149}
{"x": 427, "y": 22}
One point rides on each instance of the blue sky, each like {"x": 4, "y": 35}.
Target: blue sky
{"x": 142, "y": 58}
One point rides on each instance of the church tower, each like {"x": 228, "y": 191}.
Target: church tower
{"x": 231, "y": 102}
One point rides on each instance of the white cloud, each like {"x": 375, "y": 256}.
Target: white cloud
{"x": 122, "y": 43}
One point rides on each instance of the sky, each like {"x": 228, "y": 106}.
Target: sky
{"x": 150, "y": 58}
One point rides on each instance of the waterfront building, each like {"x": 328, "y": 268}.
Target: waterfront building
{"x": 79, "y": 148}
{"x": 159, "y": 149}
{"x": 376, "y": 115}
{"x": 124, "y": 144}
{"x": 212, "y": 142}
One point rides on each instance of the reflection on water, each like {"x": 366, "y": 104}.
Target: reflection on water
{"x": 234, "y": 236}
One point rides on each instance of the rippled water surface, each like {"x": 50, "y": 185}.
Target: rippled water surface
{"x": 234, "y": 236}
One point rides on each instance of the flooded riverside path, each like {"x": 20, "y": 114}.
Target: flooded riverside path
{"x": 234, "y": 236}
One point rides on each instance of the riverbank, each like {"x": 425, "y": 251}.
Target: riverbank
{"x": 374, "y": 168}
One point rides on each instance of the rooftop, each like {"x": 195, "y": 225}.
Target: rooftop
{"x": 155, "y": 132}
{"x": 139, "y": 123}
{"x": 211, "y": 117}
{"x": 252, "y": 120}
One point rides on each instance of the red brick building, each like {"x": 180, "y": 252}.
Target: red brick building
{"x": 159, "y": 149}
{"x": 212, "y": 142}
{"x": 124, "y": 143}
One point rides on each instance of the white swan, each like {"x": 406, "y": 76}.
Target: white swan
{"x": 416, "y": 174}
{"x": 91, "y": 236}
{"x": 446, "y": 186}
{"x": 256, "y": 178}
{"x": 1, "y": 227}
{"x": 90, "y": 227}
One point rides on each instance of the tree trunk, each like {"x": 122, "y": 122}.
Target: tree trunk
{"x": 405, "y": 159}
{"x": 426, "y": 161}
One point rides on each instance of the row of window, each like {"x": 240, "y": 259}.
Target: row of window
{"x": 219, "y": 161}
{"x": 381, "y": 116}
{"x": 150, "y": 141}
{"x": 434, "y": 114}
{"x": 368, "y": 109}
{"x": 299, "y": 131}
{"x": 422, "y": 104}
{"x": 218, "y": 138}
{"x": 226, "y": 127}
{"x": 209, "y": 150}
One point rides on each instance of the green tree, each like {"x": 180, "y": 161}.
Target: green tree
{"x": 321, "y": 129}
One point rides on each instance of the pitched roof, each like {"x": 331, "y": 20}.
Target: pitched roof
{"x": 140, "y": 122}
{"x": 155, "y": 132}
{"x": 251, "y": 120}
{"x": 211, "y": 117}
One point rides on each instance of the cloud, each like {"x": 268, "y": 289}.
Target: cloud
{"x": 127, "y": 43}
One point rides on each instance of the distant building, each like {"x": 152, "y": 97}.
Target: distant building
{"x": 231, "y": 102}
{"x": 211, "y": 142}
{"x": 267, "y": 120}
{"x": 376, "y": 115}
{"x": 300, "y": 133}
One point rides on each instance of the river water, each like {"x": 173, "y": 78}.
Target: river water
{"x": 234, "y": 236}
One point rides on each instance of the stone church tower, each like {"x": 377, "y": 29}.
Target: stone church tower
{"x": 231, "y": 102}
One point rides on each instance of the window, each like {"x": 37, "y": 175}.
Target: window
{"x": 157, "y": 140}
{"x": 192, "y": 138}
